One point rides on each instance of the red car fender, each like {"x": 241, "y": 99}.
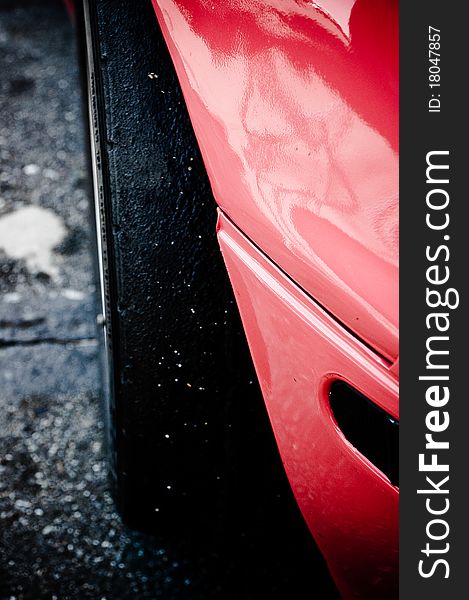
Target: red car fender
{"x": 295, "y": 107}
{"x": 351, "y": 508}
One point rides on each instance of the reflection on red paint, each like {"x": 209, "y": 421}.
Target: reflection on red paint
{"x": 295, "y": 106}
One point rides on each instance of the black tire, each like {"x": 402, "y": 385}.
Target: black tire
{"x": 166, "y": 299}
{"x": 193, "y": 457}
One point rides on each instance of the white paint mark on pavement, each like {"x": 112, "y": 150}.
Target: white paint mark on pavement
{"x": 31, "y": 234}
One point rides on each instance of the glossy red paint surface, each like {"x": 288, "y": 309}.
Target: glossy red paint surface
{"x": 351, "y": 508}
{"x": 295, "y": 106}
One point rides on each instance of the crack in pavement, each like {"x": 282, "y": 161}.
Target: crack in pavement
{"x": 78, "y": 341}
{"x": 21, "y": 323}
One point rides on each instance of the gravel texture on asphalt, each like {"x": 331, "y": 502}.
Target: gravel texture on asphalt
{"x": 59, "y": 534}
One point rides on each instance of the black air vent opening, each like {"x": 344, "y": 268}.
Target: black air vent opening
{"x": 370, "y": 429}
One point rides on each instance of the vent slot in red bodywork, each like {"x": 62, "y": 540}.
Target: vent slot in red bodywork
{"x": 370, "y": 429}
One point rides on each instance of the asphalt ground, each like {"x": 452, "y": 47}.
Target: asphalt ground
{"x": 60, "y": 537}
{"x": 59, "y": 534}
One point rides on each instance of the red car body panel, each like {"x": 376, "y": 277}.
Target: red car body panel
{"x": 295, "y": 107}
{"x": 351, "y": 508}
